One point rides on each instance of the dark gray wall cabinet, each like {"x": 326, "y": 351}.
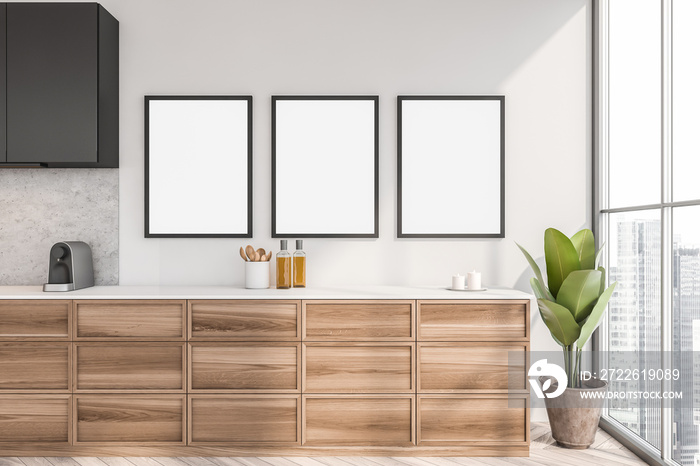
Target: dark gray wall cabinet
{"x": 60, "y": 86}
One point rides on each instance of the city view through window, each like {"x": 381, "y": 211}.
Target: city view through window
{"x": 649, "y": 205}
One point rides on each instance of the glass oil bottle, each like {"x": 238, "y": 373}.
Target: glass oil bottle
{"x": 299, "y": 265}
{"x": 284, "y": 267}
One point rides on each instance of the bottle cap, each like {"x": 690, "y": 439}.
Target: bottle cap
{"x": 300, "y": 244}
{"x": 283, "y": 244}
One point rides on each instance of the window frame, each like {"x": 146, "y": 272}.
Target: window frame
{"x": 601, "y": 212}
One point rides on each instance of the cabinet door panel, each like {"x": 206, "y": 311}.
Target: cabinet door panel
{"x": 358, "y": 368}
{"x": 245, "y": 320}
{"x": 3, "y": 86}
{"x": 52, "y": 82}
{"x": 132, "y": 366}
{"x": 358, "y": 320}
{"x": 245, "y": 419}
{"x": 471, "y": 367}
{"x": 34, "y": 366}
{"x": 476, "y": 320}
{"x": 35, "y": 319}
{"x": 487, "y": 419}
{"x": 35, "y": 418}
{"x": 250, "y": 367}
{"x": 130, "y": 320}
{"x": 358, "y": 420}
{"x": 130, "y": 419}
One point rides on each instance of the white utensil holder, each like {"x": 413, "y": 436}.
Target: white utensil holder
{"x": 257, "y": 275}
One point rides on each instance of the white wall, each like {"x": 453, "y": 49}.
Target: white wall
{"x": 535, "y": 52}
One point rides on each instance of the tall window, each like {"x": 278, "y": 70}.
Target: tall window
{"x": 648, "y": 204}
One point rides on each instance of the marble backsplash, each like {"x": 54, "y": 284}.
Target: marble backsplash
{"x": 40, "y": 207}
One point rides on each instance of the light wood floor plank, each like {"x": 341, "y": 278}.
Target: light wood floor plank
{"x": 88, "y": 461}
{"x": 115, "y": 461}
{"x": 199, "y": 461}
{"x": 34, "y": 461}
{"x": 168, "y": 461}
{"x": 11, "y": 461}
{"x": 62, "y": 461}
{"x": 329, "y": 461}
{"x": 143, "y": 461}
{"x": 190, "y": 461}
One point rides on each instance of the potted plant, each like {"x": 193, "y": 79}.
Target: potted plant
{"x": 571, "y": 303}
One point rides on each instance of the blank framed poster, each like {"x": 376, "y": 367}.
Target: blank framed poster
{"x": 325, "y": 166}
{"x": 451, "y": 166}
{"x": 198, "y": 167}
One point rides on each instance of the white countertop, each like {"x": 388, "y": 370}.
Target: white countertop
{"x": 232, "y": 292}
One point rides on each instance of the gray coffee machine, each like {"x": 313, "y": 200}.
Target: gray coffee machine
{"x": 70, "y": 267}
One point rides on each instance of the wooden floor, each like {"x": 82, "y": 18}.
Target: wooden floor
{"x": 605, "y": 451}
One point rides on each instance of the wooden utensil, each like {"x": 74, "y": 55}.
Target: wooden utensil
{"x": 245, "y": 258}
{"x": 262, "y": 253}
{"x": 256, "y": 256}
{"x": 269, "y": 256}
{"x": 250, "y": 252}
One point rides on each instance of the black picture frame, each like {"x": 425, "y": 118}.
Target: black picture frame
{"x": 249, "y": 166}
{"x": 374, "y": 233}
{"x": 401, "y": 182}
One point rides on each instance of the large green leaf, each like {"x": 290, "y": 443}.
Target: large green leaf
{"x": 561, "y": 258}
{"x": 584, "y": 243}
{"x": 559, "y": 321}
{"x": 538, "y": 273}
{"x": 596, "y": 316}
{"x": 579, "y": 292}
{"x": 597, "y": 256}
{"x": 537, "y": 288}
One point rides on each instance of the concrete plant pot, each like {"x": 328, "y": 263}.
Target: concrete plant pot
{"x": 574, "y": 419}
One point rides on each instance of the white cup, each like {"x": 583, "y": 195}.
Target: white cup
{"x": 257, "y": 275}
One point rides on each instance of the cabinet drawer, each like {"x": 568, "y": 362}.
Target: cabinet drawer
{"x": 358, "y": 368}
{"x": 249, "y": 367}
{"x": 129, "y": 320}
{"x": 245, "y": 419}
{"x": 358, "y": 320}
{"x": 157, "y": 419}
{"x": 35, "y": 418}
{"x": 245, "y": 320}
{"x": 471, "y": 367}
{"x": 465, "y": 419}
{"x": 35, "y": 320}
{"x": 129, "y": 366}
{"x": 34, "y": 366}
{"x": 474, "y": 320}
{"x": 358, "y": 421}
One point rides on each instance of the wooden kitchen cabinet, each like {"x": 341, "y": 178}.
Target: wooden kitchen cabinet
{"x": 38, "y": 320}
{"x": 358, "y": 320}
{"x": 245, "y": 419}
{"x": 503, "y": 320}
{"x": 370, "y": 420}
{"x": 130, "y": 419}
{"x": 473, "y": 419}
{"x": 149, "y": 320}
{"x": 61, "y": 95}
{"x": 252, "y": 377}
{"x": 358, "y": 367}
{"x": 253, "y": 367}
{"x": 132, "y": 366}
{"x": 472, "y": 367}
{"x": 35, "y": 367}
{"x": 245, "y": 320}
{"x": 35, "y": 419}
